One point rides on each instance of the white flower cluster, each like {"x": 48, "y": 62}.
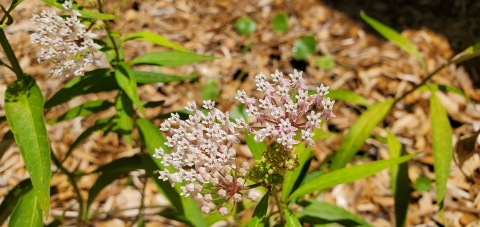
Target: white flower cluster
{"x": 280, "y": 112}
{"x": 203, "y": 157}
{"x": 68, "y": 44}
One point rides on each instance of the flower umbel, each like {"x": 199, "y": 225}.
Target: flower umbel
{"x": 68, "y": 44}
{"x": 279, "y": 113}
{"x": 203, "y": 157}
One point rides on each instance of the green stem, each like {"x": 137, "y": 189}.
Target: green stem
{"x": 10, "y": 55}
{"x": 274, "y": 192}
{"x": 71, "y": 178}
{"x": 109, "y": 33}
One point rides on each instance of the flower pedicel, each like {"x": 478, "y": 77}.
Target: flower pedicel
{"x": 203, "y": 156}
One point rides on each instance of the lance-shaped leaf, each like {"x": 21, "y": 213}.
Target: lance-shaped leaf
{"x": 155, "y": 38}
{"x": 467, "y": 54}
{"x": 85, "y": 13}
{"x": 143, "y": 77}
{"x": 154, "y": 104}
{"x": 111, "y": 171}
{"x": 399, "y": 180}
{"x": 92, "y": 82}
{"x": 322, "y": 212}
{"x": 125, "y": 112}
{"x": 291, "y": 177}
{"x": 6, "y": 142}
{"x": 27, "y": 212}
{"x": 24, "y": 110}
{"x": 126, "y": 81}
{"x": 10, "y": 200}
{"x": 170, "y": 58}
{"x": 442, "y": 147}
{"x": 359, "y": 132}
{"x": 394, "y": 37}
{"x": 291, "y": 219}
{"x": 346, "y": 175}
{"x": 83, "y": 110}
{"x": 444, "y": 88}
{"x": 260, "y": 213}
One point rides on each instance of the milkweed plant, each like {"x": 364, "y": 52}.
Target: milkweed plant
{"x": 191, "y": 158}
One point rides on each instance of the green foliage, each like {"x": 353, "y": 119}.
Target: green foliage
{"x": 325, "y": 62}
{"x": 11, "y": 199}
{"x": 27, "y": 212}
{"x": 257, "y": 148}
{"x": 399, "y": 180}
{"x": 24, "y": 110}
{"x": 291, "y": 177}
{"x": 245, "y": 26}
{"x": 210, "y": 91}
{"x": 125, "y": 112}
{"x": 85, "y": 13}
{"x": 359, "y": 132}
{"x": 6, "y": 142}
{"x": 394, "y": 37}
{"x": 260, "y": 212}
{"x": 291, "y": 219}
{"x": 280, "y": 23}
{"x": 346, "y": 175}
{"x": 126, "y": 81}
{"x": 154, "y": 77}
{"x": 154, "y": 38}
{"x": 467, "y": 54}
{"x": 83, "y": 110}
{"x": 442, "y": 147}
{"x": 304, "y": 47}
{"x": 422, "y": 184}
{"x": 170, "y": 58}
{"x": 317, "y": 212}
{"x": 347, "y": 96}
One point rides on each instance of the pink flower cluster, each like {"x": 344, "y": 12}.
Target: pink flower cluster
{"x": 203, "y": 157}
{"x": 279, "y": 114}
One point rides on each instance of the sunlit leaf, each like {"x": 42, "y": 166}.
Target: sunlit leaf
{"x": 143, "y": 77}
{"x": 154, "y": 38}
{"x": 24, "y": 110}
{"x": 245, "y": 26}
{"x": 27, "y": 212}
{"x": 325, "y": 62}
{"x": 346, "y": 175}
{"x": 126, "y": 81}
{"x": 291, "y": 177}
{"x": 85, "y": 13}
{"x": 291, "y": 219}
{"x": 84, "y": 110}
{"x": 327, "y": 212}
{"x": 280, "y": 23}
{"x": 257, "y": 148}
{"x": 422, "y": 184}
{"x": 442, "y": 147}
{"x": 170, "y": 58}
{"x": 399, "y": 180}
{"x": 467, "y": 54}
{"x": 304, "y": 47}
{"x": 210, "y": 91}
{"x": 260, "y": 212}
{"x": 394, "y": 37}
{"x": 347, "y": 96}
{"x": 125, "y": 113}
{"x": 444, "y": 88}
{"x": 359, "y": 132}
{"x": 10, "y": 200}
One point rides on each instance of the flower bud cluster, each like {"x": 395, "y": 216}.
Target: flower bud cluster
{"x": 203, "y": 157}
{"x": 68, "y": 43}
{"x": 279, "y": 114}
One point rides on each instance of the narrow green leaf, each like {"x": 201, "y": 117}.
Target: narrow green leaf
{"x": 280, "y": 23}
{"x": 27, "y": 212}
{"x": 467, "y": 54}
{"x": 359, "y": 132}
{"x": 154, "y": 38}
{"x": 210, "y": 91}
{"x": 126, "y": 81}
{"x": 85, "y": 13}
{"x": 83, "y": 110}
{"x": 331, "y": 213}
{"x": 399, "y": 180}
{"x": 442, "y": 147}
{"x": 245, "y": 26}
{"x": 291, "y": 177}
{"x": 100, "y": 125}
{"x": 24, "y": 110}
{"x": 257, "y": 148}
{"x": 292, "y": 220}
{"x": 10, "y": 200}
{"x": 92, "y": 82}
{"x": 170, "y": 58}
{"x": 154, "y": 104}
{"x": 5, "y": 143}
{"x": 9, "y": 18}
{"x": 125, "y": 112}
{"x": 153, "y": 77}
{"x": 260, "y": 212}
{"x": 444, "y": 88}
{"x": 394, "y": 37}
{"x": 304, "y": 47}
{"x": 325, "y": 62}
{"x": 111, "y": 171}
{"x": 192, "y": 212}
{"x": 348, "y": 96}
{"x": 346, "y": 175}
